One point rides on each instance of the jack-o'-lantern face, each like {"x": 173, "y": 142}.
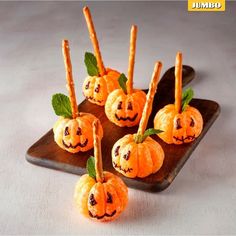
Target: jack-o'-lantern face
{"x": 125, "y": 109}
{"x": 178, "y": 128}
{"x": 100, "y": 195}
{"x": 137, "y": 159}
{"x": 179, "y": 124}
{"x": 125, "y": 114}
{"x": 101, "y": 201}
{"x": 96, "y": 89}
{"x": 74, "y": 135}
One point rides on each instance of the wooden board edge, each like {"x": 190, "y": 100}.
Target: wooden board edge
{"x": 157, "y": 186}
{"x": 54, "y": 165}
{"x": 133, "y": 183}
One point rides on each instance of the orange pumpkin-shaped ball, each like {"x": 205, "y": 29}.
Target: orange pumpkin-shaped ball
{"x": 124, "y": 106}
{"x": 138, "y": 155}
{"x": 74, "y": 135}
{"x": 134, "y": 159}
{"x": 101, "y": 196}
{"x": 97, "y": 88}
{"x": 181, "y": 127}
{"x": 125, "y": 109}
{"x": 101, "y": 81}
{"x": 101, "y": 201}
{"x": 180, "y": 122}
{"x": 73, "y": 131}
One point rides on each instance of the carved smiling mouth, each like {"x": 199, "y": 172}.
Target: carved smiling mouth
{"x": 182, "y": 139}
{"x": 100, "y": 217}
{"x": 126, "y": 118}
{"x": 93, "y": 99}
{"x": 120, "y": 168}
{"x": 75, "y": 146}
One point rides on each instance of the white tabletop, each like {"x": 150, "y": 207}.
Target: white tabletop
{"x": 36, "y": 200}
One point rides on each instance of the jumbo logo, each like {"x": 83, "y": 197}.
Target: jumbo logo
{"x": 203, "y": 5}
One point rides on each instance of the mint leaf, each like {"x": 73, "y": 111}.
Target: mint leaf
{"x": 122, "y": 82}
{"x": 61, "y": 105}
{"x": 151, "y": 131}
{"x": 187, "y": 96}
{"x": 91, "y": 64}
{"x": 90, "y": 166}
{"x": 140, "y": 138}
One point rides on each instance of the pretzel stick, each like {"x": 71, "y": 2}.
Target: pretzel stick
{"x": 93, "y": 37}
{"x": 132, "y": 50}
{"x": 69, "y": 78}
{"x": 150, "y": 96}
{"x": 97, "y": 152}
{"x": 178, "y": 82}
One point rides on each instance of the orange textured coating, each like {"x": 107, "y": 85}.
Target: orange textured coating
{"x": 97, "y": 88}
{"x": 75, "y": 135}
{"x": 137, "y": 159}
{"x": 178, "y": 128}
{"x": 125, "y": 109}
{"x": 101, "y": 201}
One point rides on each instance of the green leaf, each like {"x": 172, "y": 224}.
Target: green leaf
{"x": 187, "y": 96}
{"x": 151, "y": 131}
{"x": 61, "y": 105}
{"x": 140, "y": 138}
{"x": 90, "y": 166}
{"x": 91, "y": 64}
{"x": 122, "y": 82}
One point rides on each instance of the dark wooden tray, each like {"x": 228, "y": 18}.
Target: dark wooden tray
{"x": 46, "y": 153}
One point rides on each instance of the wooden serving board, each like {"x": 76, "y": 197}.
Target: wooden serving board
{"x": 45, "y": 151}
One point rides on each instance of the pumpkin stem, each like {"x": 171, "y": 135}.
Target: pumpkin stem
{"x": 132, "y": 50}
{"x": 97, "y": 152}
{"x": 93, "y": 37}
{"x": 178, "y": 82}
{"x": 69, "y": 78}
{"x": 150, "y": 96}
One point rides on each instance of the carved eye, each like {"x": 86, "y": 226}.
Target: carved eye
{"x": 192, "y": 123}
{"x": 79, "y": 132}
{"x": 92, "y": 200}
{"x": 119, "y": 106}
{"x": 126, "y": 156}
{"x": 96, "y": 90}
{"x": 87, "y": 85}
{"x": 109, "y": 198}
{"x": 130, "y": 107}
{"x": 66, "y": 131}
{"x": 117, "y": 150}
{"x": 178, "y": 125}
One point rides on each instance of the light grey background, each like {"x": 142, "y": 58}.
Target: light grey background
{"x": 38, "y": 200}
